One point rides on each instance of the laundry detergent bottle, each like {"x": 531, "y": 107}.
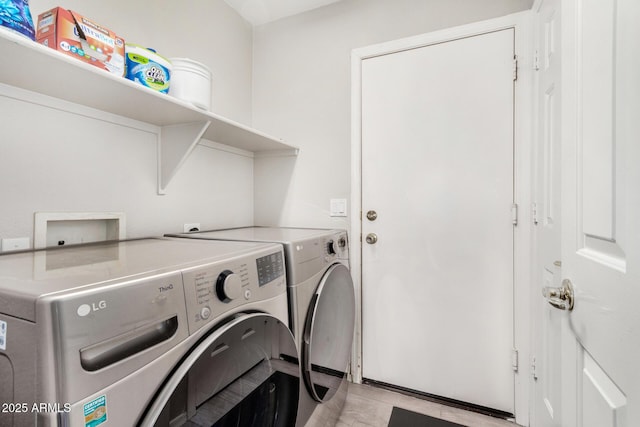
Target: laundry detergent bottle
{"x": 16, "y": 16}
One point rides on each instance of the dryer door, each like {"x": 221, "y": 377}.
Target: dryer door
{"x": 234, "y": 377}
{"x": 328, "y": 333}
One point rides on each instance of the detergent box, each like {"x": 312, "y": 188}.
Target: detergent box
{"x": 73, "y": 34}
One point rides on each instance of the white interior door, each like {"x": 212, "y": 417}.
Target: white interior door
{"x": 550, "y": 325}
{"x": 601, "y": 208}
{"x": 437, "y": 168}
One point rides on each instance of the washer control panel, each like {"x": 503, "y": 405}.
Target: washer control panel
{"x": 270, "y": 268}
{"x": 220, "y": 287}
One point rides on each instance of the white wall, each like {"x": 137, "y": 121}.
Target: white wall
{"x": 52, "y": 160}
{"x": 301, "y": 93}
{"x": 299, "y": 72}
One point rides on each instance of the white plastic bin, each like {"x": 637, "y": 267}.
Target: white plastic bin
{"x": 191, "y": 82}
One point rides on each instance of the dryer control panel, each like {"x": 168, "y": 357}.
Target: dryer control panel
{"x": 222, "y": 287}
{"x": 337, "y": 246}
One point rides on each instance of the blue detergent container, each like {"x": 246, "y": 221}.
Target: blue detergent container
{"x": 16, "y": 16}
{"x": 146, "y": 67}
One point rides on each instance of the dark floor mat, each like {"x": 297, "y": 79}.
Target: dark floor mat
{"x": 403, "y": 418}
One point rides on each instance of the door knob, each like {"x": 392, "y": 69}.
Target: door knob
{"x": 372, "y": 215}
{"x": 371, "y": 238}
{"x": 562, "y": 297}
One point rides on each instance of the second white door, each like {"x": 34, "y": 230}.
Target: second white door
{"x": 438, "y": 170}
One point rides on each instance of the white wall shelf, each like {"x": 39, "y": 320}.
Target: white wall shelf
{"x": 37, "y": 68}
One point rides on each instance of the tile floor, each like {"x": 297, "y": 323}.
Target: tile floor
{"x": 369, "y": 406}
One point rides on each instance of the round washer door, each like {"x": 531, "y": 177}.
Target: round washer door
{"x": 328, "y": 333}
{"x": 233, "y": 377}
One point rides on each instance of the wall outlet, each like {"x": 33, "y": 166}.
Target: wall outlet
{"x": 15, "y": 244}
{"x": 194, "y": 226}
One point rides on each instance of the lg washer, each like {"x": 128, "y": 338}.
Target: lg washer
{"x": 322, "y": 310}
{"x": 149, "y": 332}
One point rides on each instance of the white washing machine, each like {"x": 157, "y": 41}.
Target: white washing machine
{"x": 322, "y": 310}
{"x": 149, "y": 332}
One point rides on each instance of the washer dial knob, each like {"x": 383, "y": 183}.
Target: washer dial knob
{"x": 228, "y": 286}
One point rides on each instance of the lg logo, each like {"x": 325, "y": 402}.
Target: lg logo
{"x": 85, "y": 309}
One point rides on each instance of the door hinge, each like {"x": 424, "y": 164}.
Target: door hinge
{"x": 534, "y": 213}
{"x": 536, "y": 61}
{"x": 533, "y": 368}
{"x": 514, "y": 360}
{"x": 515, "y": 68}
{"x": 514, "y": 214}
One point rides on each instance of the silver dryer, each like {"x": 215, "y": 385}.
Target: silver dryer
{"x": 322, "y": 310}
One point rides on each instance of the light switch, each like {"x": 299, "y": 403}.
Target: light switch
{"x": 338, "y": 207}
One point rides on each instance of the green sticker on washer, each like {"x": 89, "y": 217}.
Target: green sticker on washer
{"x": 95, "y": 412}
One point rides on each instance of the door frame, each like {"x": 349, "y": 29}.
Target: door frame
{"x": 521, "y": 23}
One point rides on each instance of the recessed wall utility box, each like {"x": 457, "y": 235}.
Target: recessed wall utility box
{"x": 71, "y": 228}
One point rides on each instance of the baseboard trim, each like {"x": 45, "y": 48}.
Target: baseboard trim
{"x": 442, "y": 400}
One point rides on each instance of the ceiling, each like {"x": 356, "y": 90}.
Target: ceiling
{"x": 259, "y": 12}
